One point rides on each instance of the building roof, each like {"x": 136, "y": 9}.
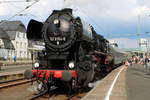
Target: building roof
{"x": 13, "y": 26}
{"x": 3, "y": 34}
{"x": 12, "y": 35}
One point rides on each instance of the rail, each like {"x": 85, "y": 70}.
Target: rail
{"x": 14, "y": 82}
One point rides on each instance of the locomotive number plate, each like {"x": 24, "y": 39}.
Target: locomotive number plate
{"x": 57, "y": 38}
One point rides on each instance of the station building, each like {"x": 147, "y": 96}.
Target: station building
{"x": 16, "y": 33}
{"x": 142, "y": 50}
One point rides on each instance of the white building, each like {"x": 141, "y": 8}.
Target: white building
{"x": 17, "y": 34}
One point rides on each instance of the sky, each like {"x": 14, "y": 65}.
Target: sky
{"x": 119, "y": 20}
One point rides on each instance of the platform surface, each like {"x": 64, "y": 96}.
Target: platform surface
{"x": 15, "y": 69}
{"x": 132, "y": 83}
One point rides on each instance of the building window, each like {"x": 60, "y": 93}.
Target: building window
{"x": 1, "y": 43}
{"x": 20, "y": 44}
{"x": 8, "y": 53}
{"x": 24, "y": 35}
{"x": 17, "y": 44}
{"x": 25, "y": 45}
{"x": 18, "y": 35}
{"x": 15, "y": 52}
{"x": 24, "y": 53}
{"x": 20, "y": 53}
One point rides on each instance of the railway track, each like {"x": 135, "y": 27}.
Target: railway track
{"x": 59, "y": 97}
{"x": 59, "y": 94}
{"x": 14, "y": 82}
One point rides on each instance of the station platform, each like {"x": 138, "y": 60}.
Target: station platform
{"x": 13, "y": 68}
{"x": 123, "y": 83}
{"x": 18, "y": 62}
{"x": 11, "y": 73}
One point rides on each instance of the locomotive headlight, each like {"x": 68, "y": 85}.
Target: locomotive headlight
{"x": 71, "y": 64}
{"x": 56, "y": 21}
{"x": 36, "y": 65}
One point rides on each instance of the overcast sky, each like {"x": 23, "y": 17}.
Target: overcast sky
{"x": 120, "y": 20}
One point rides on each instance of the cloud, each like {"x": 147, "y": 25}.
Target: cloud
{"x": 88, "y": 9}
{"x": 82, "y": 3}
{"x": 41, "y": 9}
{"x": 125, "y": 10}
{"x": 120, "y": 9}
{"x": 140, "y": 10}
{"x": 2, "y": 10}
{"x": 144, "y": 2}
{"x": 127, "y": 42}
{"x": 44, "y": 8}
{"x": 6, "y": 9}
{"x": 109, "y": 17}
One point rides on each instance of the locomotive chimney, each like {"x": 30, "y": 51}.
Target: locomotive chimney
{"x": 34, "y": 30}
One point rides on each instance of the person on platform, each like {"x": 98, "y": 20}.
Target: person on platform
{"x": 127, "y": 63}
{"x": 14, "y": 58}
{"x": 146, "y": 61}
{"x": 130, "y": 61}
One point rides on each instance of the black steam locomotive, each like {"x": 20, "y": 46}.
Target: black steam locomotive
{"x": 74, "y": 53}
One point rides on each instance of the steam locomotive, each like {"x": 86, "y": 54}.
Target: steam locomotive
{"x": 74, "y": 53}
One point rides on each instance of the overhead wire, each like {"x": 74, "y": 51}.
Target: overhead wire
{"x": 10, "y": 3}
{"x": 5, "y": 1}
{"x": 27, "y": 7}
{"x": 24, "y": 14}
